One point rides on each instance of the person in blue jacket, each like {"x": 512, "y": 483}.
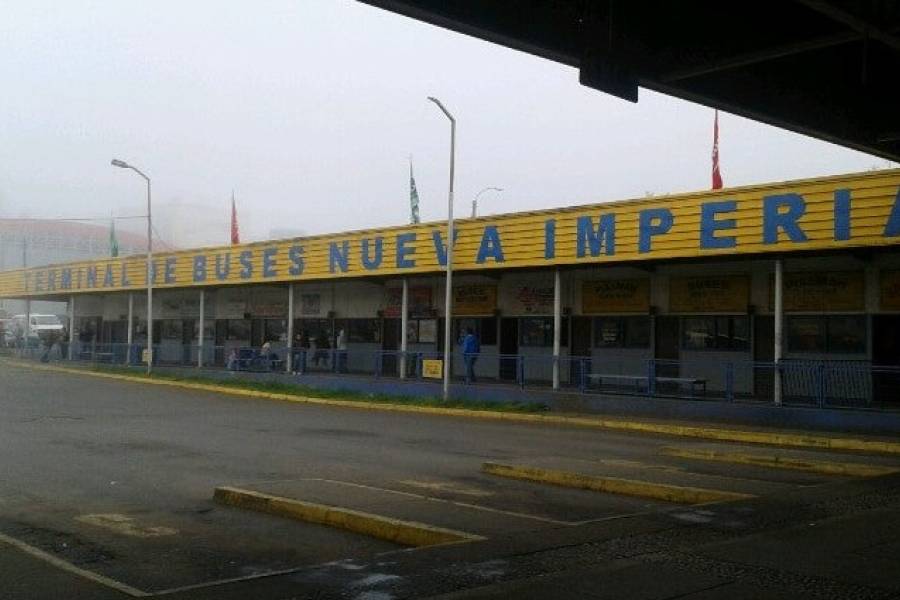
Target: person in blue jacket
{"x": 471, "y": 348}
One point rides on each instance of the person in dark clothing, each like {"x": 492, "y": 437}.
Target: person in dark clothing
{"x": 471, "y": 348}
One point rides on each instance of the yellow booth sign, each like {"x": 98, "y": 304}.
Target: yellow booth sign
{"x": 432, "y": 368}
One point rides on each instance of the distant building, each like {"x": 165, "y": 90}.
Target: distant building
{"x": 36, "y": 242}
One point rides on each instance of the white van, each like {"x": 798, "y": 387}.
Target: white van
{"x": 40, "y": 326}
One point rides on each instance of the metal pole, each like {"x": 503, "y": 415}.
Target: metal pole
{"x": 130, "y": 334}
{"x": 27, "y": 301}
{"x": 404, "y": 324}
{"x": 478, "y": 195}
{"x": 779, "y": 329}
{"x": 149, "y": 278}
{"x": 71, "y": 325}
{"x": 557, "y": 325}
{"x": 289, "y": 359}
{"x": 202, "y": 327}
{"x": 448, "y": 293}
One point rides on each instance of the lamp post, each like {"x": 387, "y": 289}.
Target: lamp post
{"x": 448, "y": 294}
{"x": 124, "y": 165}
{"x": 478, "y": 195}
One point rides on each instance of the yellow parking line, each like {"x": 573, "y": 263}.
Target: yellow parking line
{"x": 782, "y": 462}
{"x": 70, "y": 568}
{"x": 407, "y": 533}
{"x": 614, "y": 485}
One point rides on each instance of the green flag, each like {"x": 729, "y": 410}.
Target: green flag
{"x": 413, "y": 196}
{"x": 113, "y": 242}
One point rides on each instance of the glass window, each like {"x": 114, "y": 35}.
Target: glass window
{"x": 698, "y": 333}
{"x": 536, "y": 331}
{"x": 740, "y": 333}
{"x": 276, "y": 330}
{"x": 427, "y": 331}
{"x": 847, "y": 334}
{"x": 637, "y": 332}
{"x": 238, "y": 329}
{"x": 806, "y": 334}
{"x": 363, "y": 331}
{"x": 170, "y": 329}
{"x": 608, "y": 332}
{"x": 487, "y": 331}
{"x": 715, "y": 333}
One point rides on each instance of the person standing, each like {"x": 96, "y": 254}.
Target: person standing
{"x": 471, "y": 348}
{"x": 341, "y": 351}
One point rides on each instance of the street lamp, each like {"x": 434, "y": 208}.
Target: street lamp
{"x": 124, "y": 165}
{"x": 475, "y": 200}
{"x": 448, "y": 295}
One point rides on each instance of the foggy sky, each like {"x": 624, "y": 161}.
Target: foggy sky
{"x": 309, "y": 110}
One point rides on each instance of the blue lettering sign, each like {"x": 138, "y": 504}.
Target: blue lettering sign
{"x": 246, "y": 260}
{"x": 405, "y": 249}
{"x": 199, "y": 268}
{"x": 66, "y": 279}
{"x": 124, "y": 281}
{"x": 440, "y": 246}
{"x": 91, "y": 276}
{"x": 108, "y": 277}
{"x": 549, "y": 239}
{"x": 170, "y": 270}
{"x": 592, "y": 240}
{"x": 368, "y": 262}
{"x": 295, "y": 255}
{"x": 490, "y": 245}
{"x": 774, "y": 218}
{"x": 841, "y": 215}
{"x": 892, "y": 227}
{"x": 709, "y": 224}
{"x": 223, "y": 266}
{"x": 270, "y": 263}
{"x": 337, "y": 256}
{"x": 653, "y": 222}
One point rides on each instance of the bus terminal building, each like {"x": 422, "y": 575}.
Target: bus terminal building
{"x": 781, "y": 290}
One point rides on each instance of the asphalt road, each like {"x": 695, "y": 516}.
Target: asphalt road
{"x": 107, "y": 486}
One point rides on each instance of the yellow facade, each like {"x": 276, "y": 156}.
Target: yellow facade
{"x": 847, "y": 211}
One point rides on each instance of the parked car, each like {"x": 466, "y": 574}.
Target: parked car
{"x": 39, "y": 327}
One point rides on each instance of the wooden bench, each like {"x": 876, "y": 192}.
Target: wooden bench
{"x": 696, "y": 383}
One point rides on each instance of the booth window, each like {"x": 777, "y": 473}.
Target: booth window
{"x": 238, "y": 329}
{"x": 362, "y": 331}
{"x": 622, "y": 332}
{"x": 716, "y": 333}
{"x": 484, "y": 327}
{"x": 538, "y": 331}
{"x": 275, "y": 330}
{"x": 421, "y": 331}
{"x": 831, "y": 334}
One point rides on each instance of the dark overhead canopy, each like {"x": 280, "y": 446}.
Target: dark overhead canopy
{"x": 826, "y": 68}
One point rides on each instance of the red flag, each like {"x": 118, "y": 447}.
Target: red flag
{"x": 716, "y": 174}
{"x": 235, "y": 235}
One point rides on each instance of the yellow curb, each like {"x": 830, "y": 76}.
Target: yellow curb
{"x": 614, "y": 485}
{"x": 789, "y": 439}
{"x": 783, "y": 462}
{"x": 407, "y": 533}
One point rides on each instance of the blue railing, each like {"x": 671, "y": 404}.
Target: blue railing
{"x": 852, "y": 384}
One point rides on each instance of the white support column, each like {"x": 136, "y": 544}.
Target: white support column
{"x": 404, "y": 324}
{"x": 779, "y": 328}
{"x": 130, "y": 335}
{"x": 557, "y": 325}
{"x": 27, "y": 327}
{"x": 289, "y": 359}
{"x": 202, "y": 327}
{"x": 71, "y": 326}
